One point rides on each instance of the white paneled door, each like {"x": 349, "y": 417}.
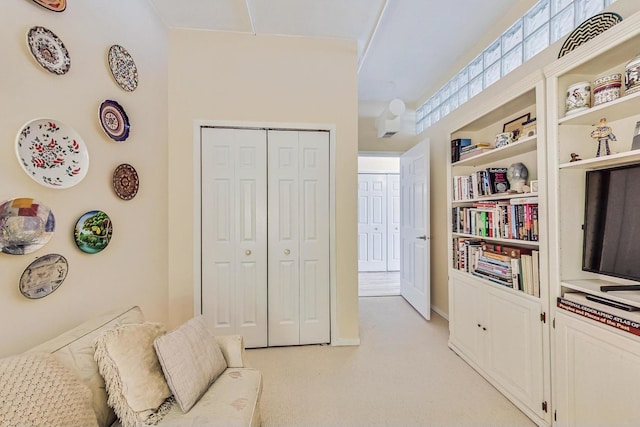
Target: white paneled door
{"x": 265, "y": 235}
{"x": 234, "y": 233}
{"x": 414, "y": 229}
{"x": 372, "y": 222}
{"x": 298, "y": 213}
{"x": 393, "y": 222}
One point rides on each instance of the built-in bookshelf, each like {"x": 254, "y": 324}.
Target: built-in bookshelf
{"x": 498, "y": 288}
{"x": 596, "y": 343}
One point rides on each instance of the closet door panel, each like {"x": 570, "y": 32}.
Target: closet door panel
{"x": 314, "y": 238}
{"x": 234, "y": 233}
{"x": 283, "y": 211}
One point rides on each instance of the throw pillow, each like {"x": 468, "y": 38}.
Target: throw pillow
{"x": 37, "y": 389}
{"x": 191, "y": 360}
{"x": 136, "y": 388}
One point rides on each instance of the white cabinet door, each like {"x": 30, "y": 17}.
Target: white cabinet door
{"x": 513, "y": 355}
{"x": 372, "y": 222}
{"x": 597, "y": 375}
{"x": 393, "y": 222}
{"x": 234, "y": 233}
{"x": 466, "y": 316}
{"x": 298, "y": 212}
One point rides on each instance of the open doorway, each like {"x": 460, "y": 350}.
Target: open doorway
{"x": 378, "y": 224}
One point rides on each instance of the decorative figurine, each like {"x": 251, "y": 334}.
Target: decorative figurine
{"x": 575, "y": 157}
{"x": 517, "y": 175}
{"x": 603, "y": 133}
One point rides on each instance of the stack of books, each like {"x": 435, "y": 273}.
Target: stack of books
{"x": 486, "y": 182}
{"x": 475, "y": 149}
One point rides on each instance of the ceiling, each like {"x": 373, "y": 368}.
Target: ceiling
{"x": 405, "y": 47}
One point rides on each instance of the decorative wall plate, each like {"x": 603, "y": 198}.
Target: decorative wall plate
{"x": 48, "y": 50}
{"x": 93, "y": 232}
{"x": 125, "y": 181}
{"x": 54, "y": 5}
{"x": 123, "y": 68}
{"x": 43, "y": 276}
{"x": 589, "y": 29}
{"x": 52, "y": 153}
{"x": 114, "y": 120}
{"x": 25, "y": 226}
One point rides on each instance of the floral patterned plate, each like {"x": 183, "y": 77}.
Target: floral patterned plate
{"x": 54, "y": 5}
{"x": 125, "y": 181}
{"x": 123, "y": 68}
{"x": 25, "y": 226}
{"x": 48, "y": 50}
{"x": 43, "y": 276}
{"x": 93, "y": 232}
{"x": 52, "y": 153}
{"x": 114, "y": 120}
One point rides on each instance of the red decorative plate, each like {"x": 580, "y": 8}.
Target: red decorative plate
{"x": 125, "y": 181}
{"x": 54, "y": 5}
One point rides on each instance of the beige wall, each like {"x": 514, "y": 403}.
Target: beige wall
{"x": 132, "y": 269}
{"x": 245, "y": 78}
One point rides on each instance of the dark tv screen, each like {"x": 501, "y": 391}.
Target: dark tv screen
{"x": 612, "y": 222}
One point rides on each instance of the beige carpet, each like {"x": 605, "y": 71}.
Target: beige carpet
{"x": 402, "y": 374}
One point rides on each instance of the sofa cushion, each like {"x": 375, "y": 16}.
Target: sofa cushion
{"x": 128, "y": 363}
{"x": 75, "y": 348}
{"x": 231, "y": 401}
{"x": 191, "y": 361}
{"x": 37, "y": 389}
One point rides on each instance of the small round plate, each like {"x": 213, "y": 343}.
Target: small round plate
{"x": 123, "y": 68}
{"x": 125, "y": 181}
{"x": 52, "y": 153}
{"x": 54, "y": 5}
{"x": 43, "y": 276}
{"x": 114, "y": 120}
{"x": 93, "y": 232}
{"x": 25, "y": 226}
{"x": 48, "y": 50}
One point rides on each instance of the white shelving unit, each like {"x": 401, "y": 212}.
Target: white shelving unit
{"x": 503, "y": 332}
{"x": 596, "y": 366}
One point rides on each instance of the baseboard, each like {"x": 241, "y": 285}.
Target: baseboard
{"x": 440, "y": 312}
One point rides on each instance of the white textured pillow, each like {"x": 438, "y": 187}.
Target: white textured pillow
{"x": 136, "y": 388}
{"x": 37, "y": 389}
{"x": 191, "y": 360}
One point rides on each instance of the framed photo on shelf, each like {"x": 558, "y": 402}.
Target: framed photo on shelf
{"x": 533, "y": 185}
{"x": 636, "y": 137}
{"x": 516, "y": 126}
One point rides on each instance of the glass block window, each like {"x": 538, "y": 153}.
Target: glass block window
{"x": 545, "y": 23}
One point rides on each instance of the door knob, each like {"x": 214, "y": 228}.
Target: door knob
{"x": 422, "y": 237}
{"x": 247, "y": 252}
{"x": 287, "y": 251}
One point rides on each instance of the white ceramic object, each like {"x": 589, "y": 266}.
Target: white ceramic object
{"x": 52, "y": 153}
{"x": 632, "y": 76}
{"x": 607, "y": 88}
{"x": 578, "y": 97}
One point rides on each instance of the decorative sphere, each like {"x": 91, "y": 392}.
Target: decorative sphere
{"x": 517, "y": 175}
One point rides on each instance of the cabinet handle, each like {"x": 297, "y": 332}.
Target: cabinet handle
{"x": 484, "y": 329}
{"x": 247, "y": 252}
{"x": 287, "y": 251}
{"x": 479, "y": 325}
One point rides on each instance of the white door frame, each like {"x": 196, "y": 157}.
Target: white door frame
{"x": 197, "y": 206}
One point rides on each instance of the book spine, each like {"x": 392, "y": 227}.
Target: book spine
{"x": 603, "y": 317}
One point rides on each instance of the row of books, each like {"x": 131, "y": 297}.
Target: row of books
{"x": 481, "y": 183}
{"x": 517, "y": 268}
{"x": 515, "y": 218}
{"x": 462, "y": 148}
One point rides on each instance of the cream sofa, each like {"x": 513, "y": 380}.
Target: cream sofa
{"x": 232, "y": 400}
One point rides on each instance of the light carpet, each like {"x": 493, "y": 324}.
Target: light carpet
{"x": 402, "y": 374}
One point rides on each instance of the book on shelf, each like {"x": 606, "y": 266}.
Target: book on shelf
{"x": 468, "y": 148}
{"x": 498, "y": 182}
{"x": 497, "y": 219}
{"x": 456, "y": 145}
{"x": 507, "y": 265}
{"x": 577, "y": 303}
{"x": 475, "y": 152}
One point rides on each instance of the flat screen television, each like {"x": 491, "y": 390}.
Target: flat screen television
{"x": 612, "y": 222}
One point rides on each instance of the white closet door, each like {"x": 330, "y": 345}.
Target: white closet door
{"x": 393, "y": 222}
{"x": 234, "y": 233}
{"x": 372, "y": 222}
{"x": 298, "y": 212}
